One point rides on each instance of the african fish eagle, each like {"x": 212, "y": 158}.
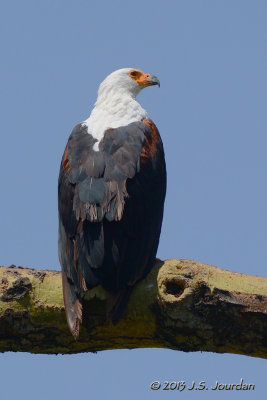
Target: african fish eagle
{"x": 111, "y": 192}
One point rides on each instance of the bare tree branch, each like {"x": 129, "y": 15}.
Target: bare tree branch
{"x": 182, "y": 304}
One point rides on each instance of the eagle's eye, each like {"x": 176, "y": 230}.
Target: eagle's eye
{"x": 135, "y": 74}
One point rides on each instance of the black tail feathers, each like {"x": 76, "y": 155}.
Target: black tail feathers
{"x": 116, "y": 304}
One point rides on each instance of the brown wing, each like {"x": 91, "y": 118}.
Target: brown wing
{"x": 110, "y": 212}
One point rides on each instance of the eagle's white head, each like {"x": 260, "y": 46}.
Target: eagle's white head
{"x": 116, "y": 104}
{"x": 126, "y": 81}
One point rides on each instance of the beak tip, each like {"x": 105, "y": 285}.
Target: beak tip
{"x": 154, "y": 80}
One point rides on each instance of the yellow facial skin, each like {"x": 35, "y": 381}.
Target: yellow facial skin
{"x": 142, "y": 78}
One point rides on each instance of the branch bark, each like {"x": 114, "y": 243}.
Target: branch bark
{"x": 182, "y": 304}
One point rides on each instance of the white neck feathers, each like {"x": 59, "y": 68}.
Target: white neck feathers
{"x": 113, "y": 108}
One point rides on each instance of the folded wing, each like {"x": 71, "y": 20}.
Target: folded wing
{"x": 110, "y": 213}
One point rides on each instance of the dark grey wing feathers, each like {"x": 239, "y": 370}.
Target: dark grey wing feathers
{"x": 110, "y": 209}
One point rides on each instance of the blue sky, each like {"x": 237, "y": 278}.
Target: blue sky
{"x": 211, "y": 59}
